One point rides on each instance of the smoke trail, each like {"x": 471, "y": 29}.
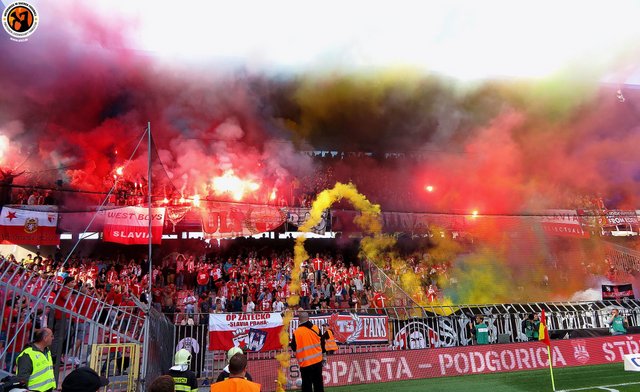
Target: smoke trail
{"x": 368, "y": 221}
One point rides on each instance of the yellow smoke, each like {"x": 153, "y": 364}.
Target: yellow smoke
{"x": 370, "y": 223}
{"x": 374, "y": 246}
{"x": 481, "y": 278}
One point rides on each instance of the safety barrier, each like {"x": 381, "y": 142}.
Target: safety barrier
{"x": 430, "y": 327}
{"x": 624, "y": 260}
{"x": 30, "y": 302}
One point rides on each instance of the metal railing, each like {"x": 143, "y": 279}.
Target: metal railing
{"x": 449, "y": 326}
{"x": 624, "y": 260}
{"x": 78, "y": 320}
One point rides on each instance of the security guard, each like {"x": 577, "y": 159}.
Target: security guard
{"x": 308, "y": 345}
{"x": 237, "y": 381}
{"x": 184, "y": 378}
{"x": 35, "y": 366}
{"x": 330, "y": 341}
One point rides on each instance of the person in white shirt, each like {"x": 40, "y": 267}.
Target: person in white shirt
{"x": 278, "y": 305}
{"x": 190, "y": 304}
{"x": 251, "y": 306}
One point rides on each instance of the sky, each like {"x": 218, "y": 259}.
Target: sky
{"x": 464, "y": 39}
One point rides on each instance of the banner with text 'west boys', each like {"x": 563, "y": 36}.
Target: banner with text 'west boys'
{"x": 130, "y": 225}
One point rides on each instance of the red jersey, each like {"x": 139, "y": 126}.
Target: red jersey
{"x": 233, "y": 273}
{"x": 93, "y": 270}
{"x": 304, "y": 289}
{"x": 112, "y": 276}
{"x": 136, "y": 289}
{"x": 203, "y": 277}
{"x": 317, "y": 263}
{"x": 114, "y": 298}
{"x": 266, "y": 305}
{"x": 379, "y": 300}
{"x": 232, "y": 288}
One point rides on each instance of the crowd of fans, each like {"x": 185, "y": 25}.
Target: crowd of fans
{"x": 33, "y": 197}
{"x": 185, "y": 285}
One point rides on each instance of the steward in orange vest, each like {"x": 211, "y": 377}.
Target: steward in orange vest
{"x": 308, "y": 346}
{"x": 330, "y": 343}
{"x": 236, "y": 381}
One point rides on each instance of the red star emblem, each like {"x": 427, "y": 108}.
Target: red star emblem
{"x": 11, "y": 215}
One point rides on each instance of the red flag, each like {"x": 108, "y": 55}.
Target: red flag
{"x": 543, "y": 331}
{"x": 28, "y": 227}
{"x": 130, "y": 225}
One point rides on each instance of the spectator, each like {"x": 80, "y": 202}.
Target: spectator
{"x": 251, "y": 307}
{"x": 617, "y": 323}
{"x": 531, "y": 327}
{"x": 190, "y": 303}
{"x": 278, "y": 305}
{"x": 83, "y": 379}
{"x": 480, "y": 331}
{"x": 162, "y": 384}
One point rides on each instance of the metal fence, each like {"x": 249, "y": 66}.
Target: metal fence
{"x": 624, "y": 261}
{"x": 161, "y": 344}
{"x": 29, "y": 301}
{"x": 449, "y": 326}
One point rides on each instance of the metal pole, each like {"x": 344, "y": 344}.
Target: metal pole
{"x": 149, "y": 201}
{"x": 147, "y": 322}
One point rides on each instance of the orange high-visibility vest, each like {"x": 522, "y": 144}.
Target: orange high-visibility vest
{"x": 308, "y": 349}
{"x": 235, "y": 385}
{"x": 330, "y": 344}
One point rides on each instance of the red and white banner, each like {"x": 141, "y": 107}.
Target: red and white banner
{"x": 386, "y": 366}
{"x": 26, "y": 227}
{"x": 564, "y": 223}
{"x": 352, "y": 328}
{"x": 621, "y": 217}
{"x": 130, "y": 225}
{"x": 249, "y": 331}
{"x": 225, "y": 220}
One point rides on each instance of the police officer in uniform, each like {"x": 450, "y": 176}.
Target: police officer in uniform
{"x": 35, "y": 366}
{"x": 309, "y": 346}
{"x": 184, "y": 378}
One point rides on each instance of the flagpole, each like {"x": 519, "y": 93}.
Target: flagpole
{"x": 143, "y": 379}
{"x": 543, "y": 335}
{"x": 553, "y": 383}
